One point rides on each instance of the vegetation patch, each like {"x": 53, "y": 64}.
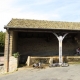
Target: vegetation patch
{"x": 2, "y": 41}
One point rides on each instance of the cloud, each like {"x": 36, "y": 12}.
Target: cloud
{"x": 67, "y": 10}
{"x": 5, "y": 9}
{"x": 56, "y": 10}
{"x": 41, "y": 2}
{"x": 9, "y": 10}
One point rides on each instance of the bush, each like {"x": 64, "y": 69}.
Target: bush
{"x": 2, "y": 41}
{"x": 16, "y": 55}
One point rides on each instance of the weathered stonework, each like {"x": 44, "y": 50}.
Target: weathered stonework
{"x": 6, "y": 58}
{"x": 13, "y": 64}
{"x": 10, "y": 48}
{"x": 37, "y": 47}
{"x": 14, "y": 42}
{"x": 34, "y": 47}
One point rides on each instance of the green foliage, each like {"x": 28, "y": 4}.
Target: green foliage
{"x": 2, "y": 41}
{"x": 16, "y": 55}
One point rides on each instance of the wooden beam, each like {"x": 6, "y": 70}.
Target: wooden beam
{"x": 28, "y": 61}
{"x": 60, "y": 39}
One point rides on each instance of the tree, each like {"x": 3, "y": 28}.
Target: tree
{"x": 2, "y": 41}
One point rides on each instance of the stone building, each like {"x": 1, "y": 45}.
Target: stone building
{"x": 40, "y": 38}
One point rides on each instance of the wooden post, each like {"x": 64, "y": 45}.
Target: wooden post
{"x": 60, "y": 39}
{"x": 28, "y": 61}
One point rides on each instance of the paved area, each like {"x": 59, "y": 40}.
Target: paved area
{"x": 56, "y": 73}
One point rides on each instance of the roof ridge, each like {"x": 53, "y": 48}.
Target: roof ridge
{"x": 43, "y": 20}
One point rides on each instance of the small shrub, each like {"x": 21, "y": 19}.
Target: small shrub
{"x": 16, "y": 55}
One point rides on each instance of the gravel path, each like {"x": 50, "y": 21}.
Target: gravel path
{"x": 56, "y": 73}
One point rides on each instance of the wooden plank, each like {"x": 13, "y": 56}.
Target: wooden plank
{"x": 28, "y": 61}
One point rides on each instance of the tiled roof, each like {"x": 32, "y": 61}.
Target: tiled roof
{"x": 43, "y": 24}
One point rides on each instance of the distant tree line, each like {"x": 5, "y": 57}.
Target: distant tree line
{"x": 2, "y": 41}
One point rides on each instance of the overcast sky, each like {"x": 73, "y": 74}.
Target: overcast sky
{"x": 55, "y": 10}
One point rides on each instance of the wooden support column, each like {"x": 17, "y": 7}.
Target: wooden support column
{"x": 28, "y": 61}
{"x": 60, "y": 39}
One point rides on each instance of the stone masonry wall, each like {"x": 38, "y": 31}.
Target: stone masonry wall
{"x": 6, "y": 52}
{"x": 11, "y": 42}
{"x": 37, "y": 47}
{"x": 12, "y": 47}
{"x": 40, "y": 47}
{"x": 13, "y": 64}
{"x": 14, "y": 43}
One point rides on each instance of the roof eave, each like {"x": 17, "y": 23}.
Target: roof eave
{"x": 9, "y": 27}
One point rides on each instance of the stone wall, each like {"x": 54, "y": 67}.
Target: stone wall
{"x": 13, "y": 64}
{"x": 14, "y": 43}
{"x": 37, "y": 47}
{"x": 71, "y": 44}
{"x": 40, "y": 47}
{"x": 6, "y": 52}
{"x": 13, "y": 48}
{"x": 10, "y": 38}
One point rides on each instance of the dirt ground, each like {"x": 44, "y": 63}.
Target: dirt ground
{"x": 55, "y": 73}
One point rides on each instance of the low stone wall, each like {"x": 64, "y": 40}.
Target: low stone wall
{"x": 1, "y": 70}
{"x": 13, "y": 64}
{"x": 46, "y": 60}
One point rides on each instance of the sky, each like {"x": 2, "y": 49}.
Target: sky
{"x": 53, "y": 10}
